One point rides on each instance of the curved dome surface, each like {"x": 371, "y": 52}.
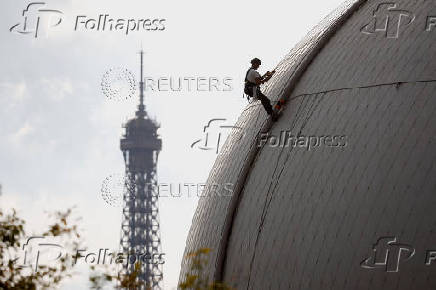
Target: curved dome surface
{"x": 359, "y": 215}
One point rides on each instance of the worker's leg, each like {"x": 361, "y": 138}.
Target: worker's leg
{"x": 265, "y": 102}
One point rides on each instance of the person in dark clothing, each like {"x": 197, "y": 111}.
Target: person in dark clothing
{"x": 253, "y": 80}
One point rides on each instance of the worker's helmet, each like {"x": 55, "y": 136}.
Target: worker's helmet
{"x": 256, "y": 61}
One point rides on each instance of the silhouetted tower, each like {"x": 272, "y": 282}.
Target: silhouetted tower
{"x": 140, "y": 233}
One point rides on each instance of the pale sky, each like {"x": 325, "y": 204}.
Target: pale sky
{"x": 60, "y": 134}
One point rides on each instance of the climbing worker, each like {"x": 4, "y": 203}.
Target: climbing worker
{"x": 253, "y": 80}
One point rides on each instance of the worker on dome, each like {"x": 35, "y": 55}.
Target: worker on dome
{"x": 253, "y": 80}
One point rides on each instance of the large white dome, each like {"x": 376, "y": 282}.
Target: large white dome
{"x": 359, "y": 215}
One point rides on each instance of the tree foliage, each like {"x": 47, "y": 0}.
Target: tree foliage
{"x": 12, "y": 234}
{"x": 195, "y": 279}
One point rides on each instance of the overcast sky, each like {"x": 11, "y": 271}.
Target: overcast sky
{"x": 59, "y": 134}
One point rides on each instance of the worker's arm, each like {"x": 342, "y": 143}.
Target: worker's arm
{"x": 266, "y": 77}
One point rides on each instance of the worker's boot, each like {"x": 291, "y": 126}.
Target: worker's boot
{"x": 274, "y": 116}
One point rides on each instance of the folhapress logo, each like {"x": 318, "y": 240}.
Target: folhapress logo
{"x": 106, "y": 23}
{"x": 215, "y": 135}
{"x": 389, "y": 20}
{"x": 388, "y": 254}
{"x": 35, "y": 18}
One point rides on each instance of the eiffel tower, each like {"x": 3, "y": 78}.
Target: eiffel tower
{"x": 140, "y": 232}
